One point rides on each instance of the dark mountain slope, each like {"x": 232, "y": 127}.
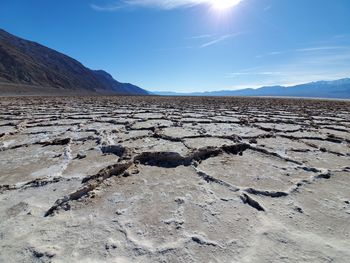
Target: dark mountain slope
{"x": 28, "y": 63}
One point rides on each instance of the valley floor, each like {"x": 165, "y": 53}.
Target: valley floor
{"x": 174, "y": 179}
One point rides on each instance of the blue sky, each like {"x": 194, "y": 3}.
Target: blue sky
{"x": 193, "y": 45}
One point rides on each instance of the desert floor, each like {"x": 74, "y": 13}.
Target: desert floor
{"x": 171, "y": 179}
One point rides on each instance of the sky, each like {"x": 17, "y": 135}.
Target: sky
{"x": 193, "y": 45}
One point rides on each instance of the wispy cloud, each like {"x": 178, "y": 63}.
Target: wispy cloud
{"x": 106, "y": 8}
{"x": 258, "y": 73}
{"x": 161, "y": 4}
{"x": 201, "y": 36}
{"x": 321, "y": 48}
{"x": 267, "y": 8}
{"x": 307, "y": 49}
{"x": 212, "y": 39}
{"x": 219, "y": 39}
{"x": 175, "y": 48}
{"x": 307, "y": 65}
{"x": 292, "y": 78}
{"x": 215, "y": 41}
{"x": 341, "y": 36}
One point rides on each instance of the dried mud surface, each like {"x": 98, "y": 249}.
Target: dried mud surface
{"x": 155, "y": 179}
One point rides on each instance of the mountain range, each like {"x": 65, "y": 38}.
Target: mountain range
{"x": 320, "y": 89}
{"x": 27, "y": 67}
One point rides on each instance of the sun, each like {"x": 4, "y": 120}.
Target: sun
{"x": 223, "y": 4}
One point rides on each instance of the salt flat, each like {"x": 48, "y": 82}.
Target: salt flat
{"x": 165, "y": 179}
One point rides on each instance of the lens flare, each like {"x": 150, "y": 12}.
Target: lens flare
{"x": 224, "y": 4}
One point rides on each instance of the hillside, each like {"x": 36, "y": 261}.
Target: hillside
{"x": 29, "y": 66}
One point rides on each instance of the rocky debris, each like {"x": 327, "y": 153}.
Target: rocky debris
{"x": 202, "y": 241}
{"x": 34, "y": 183}
{"x": 112, "y": 170}
{"x": 211, "y": 179}
{"x": 64, "y": 141}
{"x": 114, "y": 149}
{"x": 81, "y": 156}
{"x": 90, "y": 183}
{"x": 246, "y": 199}
{"x": 42, "y": 254}
{"x": 272, "y": 194}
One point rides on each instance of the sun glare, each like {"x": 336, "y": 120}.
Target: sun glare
{"x": 224, "y": 4}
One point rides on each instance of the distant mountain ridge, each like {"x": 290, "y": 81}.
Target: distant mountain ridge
{"x": 30, "y": 64}
{"x": 339, "y": 89}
